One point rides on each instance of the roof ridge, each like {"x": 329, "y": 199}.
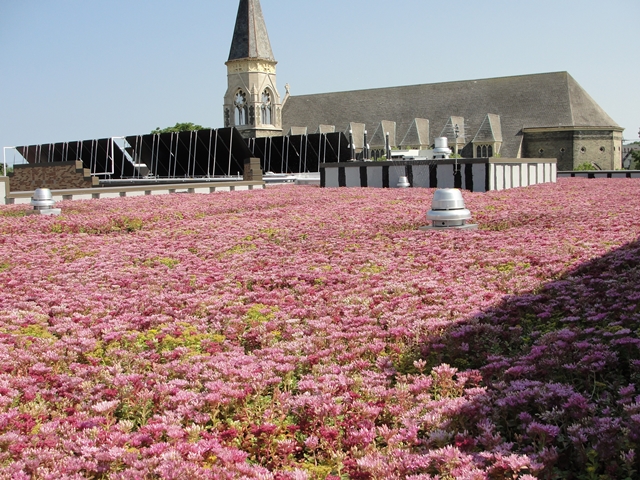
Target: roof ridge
{"x": 509, "y": 77}
{"x": 573, "y": 120}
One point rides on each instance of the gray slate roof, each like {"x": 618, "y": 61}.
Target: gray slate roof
{"x": 526, "y": 101}
{"x": 250, "y": 37}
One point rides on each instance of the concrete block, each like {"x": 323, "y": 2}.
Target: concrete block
{"x": 395, "y": 173}
{"x": 500, "y": 175}
{"x": 374, "y": 177}
{"x": 421, "y": 176}
{"x": 331, "y": 177}
{"x": 479, "y": 172}
{"x": 352, "y": 176}
{"x": 532, "y": 174}
{"x": 4, "y": 189}
{"x": 524, "y": 175}
{"x": 444, "y": 175}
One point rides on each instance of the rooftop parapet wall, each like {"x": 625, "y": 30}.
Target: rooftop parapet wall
{"x": 600, "y": 174}
{"x": 476, "y": 175}
{"x": 24, "y": 197}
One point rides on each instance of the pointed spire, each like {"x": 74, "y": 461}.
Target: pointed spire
{"x": 250, "y": 37}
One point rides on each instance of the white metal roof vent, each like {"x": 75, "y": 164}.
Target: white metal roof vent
{"x": 448, "y": 211}
{"x": 43, "y": 202}
{"x": 403, "y": 182}
{"x": 442, "y": 150}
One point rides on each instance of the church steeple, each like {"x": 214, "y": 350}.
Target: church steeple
{"x": 250, "y": 37}
{"x": 252, "y": 103}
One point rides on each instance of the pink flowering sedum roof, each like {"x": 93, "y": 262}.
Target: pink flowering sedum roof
{"x": 300, "y": 332}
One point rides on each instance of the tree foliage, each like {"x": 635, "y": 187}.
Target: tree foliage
{"x": 585, "y": 167}
{"x": 179, "y": 127}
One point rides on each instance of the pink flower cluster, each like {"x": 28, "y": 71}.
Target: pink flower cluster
{"x": 303, "y": 333}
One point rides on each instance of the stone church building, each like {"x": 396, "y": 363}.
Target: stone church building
{"x": 545, "y": 115}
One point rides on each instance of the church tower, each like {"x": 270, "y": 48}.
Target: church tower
{"x": 252, "y": 103}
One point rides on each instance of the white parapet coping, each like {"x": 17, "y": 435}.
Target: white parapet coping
{"x": 127, "y": 191}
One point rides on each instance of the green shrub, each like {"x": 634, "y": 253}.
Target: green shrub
{"x": 585, "y": 166}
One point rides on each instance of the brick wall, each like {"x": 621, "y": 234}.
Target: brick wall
{"x": 252, "y": 171}
{"x": 54, "y": 175}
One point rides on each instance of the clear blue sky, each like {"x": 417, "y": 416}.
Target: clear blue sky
{"x": 82, "y": 69}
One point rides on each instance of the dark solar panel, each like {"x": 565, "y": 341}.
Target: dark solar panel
{"x": 193, "y": 154}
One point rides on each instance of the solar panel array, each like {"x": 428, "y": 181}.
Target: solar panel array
{"x": 193, "y": 154}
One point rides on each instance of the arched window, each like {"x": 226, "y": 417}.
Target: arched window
{"x": 266, "y": 108}
{"x": 478, "y": 151}
{"x": 240, "y": 110}
{"x": 484, "y": 151}
{"x": 490, "y": 151}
